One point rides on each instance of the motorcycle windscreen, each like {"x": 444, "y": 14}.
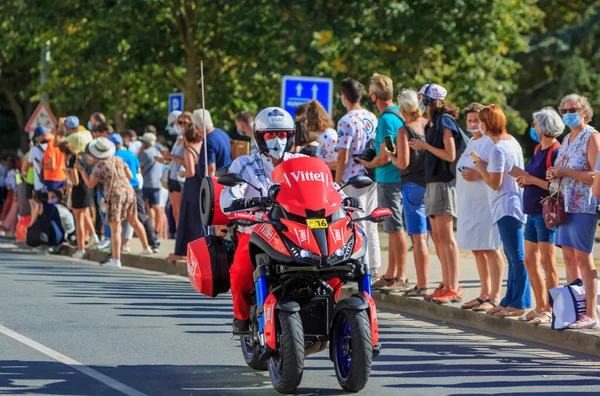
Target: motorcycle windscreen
{"x": 306, "y": 184}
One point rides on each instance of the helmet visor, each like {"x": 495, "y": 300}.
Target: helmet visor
{"x": 268, "y": 135}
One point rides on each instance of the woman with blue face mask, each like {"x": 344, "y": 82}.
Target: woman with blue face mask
{"x": 573, "y": 176}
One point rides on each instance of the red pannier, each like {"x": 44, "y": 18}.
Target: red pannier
{"x": 208, "y": 262}
{"x": 210, "y": 205}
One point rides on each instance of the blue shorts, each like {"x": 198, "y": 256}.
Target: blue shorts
{"x": 152, "y": 195}
{"x": 536, "y": 230}
{"x": 413, "y": 203}
{"x": 54, "y": 185}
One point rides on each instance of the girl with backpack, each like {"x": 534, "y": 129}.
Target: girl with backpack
{"x": 443, "y": 138}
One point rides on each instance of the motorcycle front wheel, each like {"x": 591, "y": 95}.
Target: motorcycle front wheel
{"x": 286, "y": 366}
{"x": 352, "y": 349}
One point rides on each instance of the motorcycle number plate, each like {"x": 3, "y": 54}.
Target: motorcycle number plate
{"x": 317, "y": 223}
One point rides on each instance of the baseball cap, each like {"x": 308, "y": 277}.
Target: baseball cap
{"x": 434, "y": 91}
{"x": 116, "y": 139}
{"x": 39, "y": 131}
{"x": 72, "y": 122}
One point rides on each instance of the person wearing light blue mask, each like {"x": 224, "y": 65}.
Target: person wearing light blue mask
{"x": 573, "y": 175}
{"x": 533, "y": 135}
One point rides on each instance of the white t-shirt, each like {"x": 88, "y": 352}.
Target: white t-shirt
{"x": 11, "y": 180}
{"x": 135, "y": 146}
{"x": 475, "y": 229}
{"x": 327, "y": 150}
{"x": 355, "y": 129}
{"x": 508, "y": 199}
{"x": 36, "y": 157}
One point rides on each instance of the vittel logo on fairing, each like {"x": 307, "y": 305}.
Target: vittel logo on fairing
{"x": 310, "y": 176}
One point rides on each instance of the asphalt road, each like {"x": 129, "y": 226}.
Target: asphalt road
{"x": 136, "y": 332}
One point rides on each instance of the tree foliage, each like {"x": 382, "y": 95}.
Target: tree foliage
{"x": 123, "y": 57}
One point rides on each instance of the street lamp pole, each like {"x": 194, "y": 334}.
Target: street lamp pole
{"x": 45, "y": 58}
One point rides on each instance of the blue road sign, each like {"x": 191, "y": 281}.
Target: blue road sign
{"x": 175, "y": 102}
{"x": 296, "y": 90}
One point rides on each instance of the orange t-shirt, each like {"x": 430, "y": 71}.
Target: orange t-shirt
{"x": 58, "y": 173}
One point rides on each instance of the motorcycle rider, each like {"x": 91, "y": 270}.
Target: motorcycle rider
{"x": 274, "y": 135}
{"x": 274, "y": 130}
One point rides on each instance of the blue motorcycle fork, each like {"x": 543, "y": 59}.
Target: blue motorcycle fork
{"x": 261, "y": 295}
{"x": 365, "y": 284}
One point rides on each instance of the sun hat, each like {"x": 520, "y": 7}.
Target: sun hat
{"x": 434, "y": 91}
{"x": 72, "y": 122}
{"x": 102, "y": 148}
{"x": 150, "y": 138}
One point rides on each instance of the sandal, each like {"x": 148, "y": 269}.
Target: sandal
{"x": 416, "y": 292}
{"x": 485, "y": 306}
{"x": 509, "y": 312}
{"x": 539, "y": 319}
{"x": 529, "y": 316}
{"x": 473, "y": 303}
{"x": 495, "y": 310}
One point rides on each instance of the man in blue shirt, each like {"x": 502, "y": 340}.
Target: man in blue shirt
{"x": 133, "y": 163}
{"x": 389, "y": 188}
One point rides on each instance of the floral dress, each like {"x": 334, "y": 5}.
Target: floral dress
{"x": 120, "y": 196}
{"x": 576, "y": 194}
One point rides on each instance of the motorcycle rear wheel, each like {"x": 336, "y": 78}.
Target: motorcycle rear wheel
{"x": 250, "y": 354}
{"x": 352, "y": 349}
{"x": 286, "y": 366}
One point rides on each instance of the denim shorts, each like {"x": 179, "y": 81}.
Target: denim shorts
{"x": 536, "y": 230}
{"x": 152, "y": 195}
{"x": 413, "y": 204}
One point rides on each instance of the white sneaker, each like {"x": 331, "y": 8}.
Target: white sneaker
{"x": 93, "y": 241}
{"x": 79, "y": 254}
{"x": 126, "y": 249}
{"x": 112, "y": 263}
{"x": 147, "y": 251}
{"x": 103, "y": 244}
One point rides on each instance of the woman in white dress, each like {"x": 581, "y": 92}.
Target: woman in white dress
{"x": 476, "y": 230}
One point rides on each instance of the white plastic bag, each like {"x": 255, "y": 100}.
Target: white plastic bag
{"x": 567, "y": 303}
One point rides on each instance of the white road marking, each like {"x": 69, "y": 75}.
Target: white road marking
{"x": 126, "y": 390}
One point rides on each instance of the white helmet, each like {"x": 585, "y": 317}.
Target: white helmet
{"x": 274, "y": 120}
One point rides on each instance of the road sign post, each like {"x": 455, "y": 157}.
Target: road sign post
{"x": 175, "y": 102}
{"x": 296, "y": 90}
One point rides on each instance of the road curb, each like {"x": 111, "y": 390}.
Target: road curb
{"x": 585, "y": 341}
{"x": 132, "y": 260}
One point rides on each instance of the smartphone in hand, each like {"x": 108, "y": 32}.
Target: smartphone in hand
{"x": 389, "y": 144}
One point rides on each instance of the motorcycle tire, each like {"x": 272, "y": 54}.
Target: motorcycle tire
{"x": 287, "y": 365}
{"x": 251, "y": 356}
{"x": 352, "y": 349}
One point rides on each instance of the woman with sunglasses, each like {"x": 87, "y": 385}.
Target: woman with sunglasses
{"x": 182, "y": 121}
{"x": 573, "y": 176}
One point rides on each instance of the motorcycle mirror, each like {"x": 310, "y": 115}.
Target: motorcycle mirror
{"x": 243, "y": 218}
{"x": 358, "y": 182}
{"x": 231, "y": 179}
{"x": 380, "y": 215}
{"x": 273, "y": 191}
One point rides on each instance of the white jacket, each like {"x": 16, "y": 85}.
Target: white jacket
{"x": 256, "y": 169}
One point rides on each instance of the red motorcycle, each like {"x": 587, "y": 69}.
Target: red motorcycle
{"x": 304, "y": 248}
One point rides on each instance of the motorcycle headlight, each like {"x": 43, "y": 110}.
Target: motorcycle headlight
{"x": 342, "y": 253}
{"x": 304, "y": 255}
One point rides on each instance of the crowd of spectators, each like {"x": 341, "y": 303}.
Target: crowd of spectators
{"x": 96, "y": 187}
